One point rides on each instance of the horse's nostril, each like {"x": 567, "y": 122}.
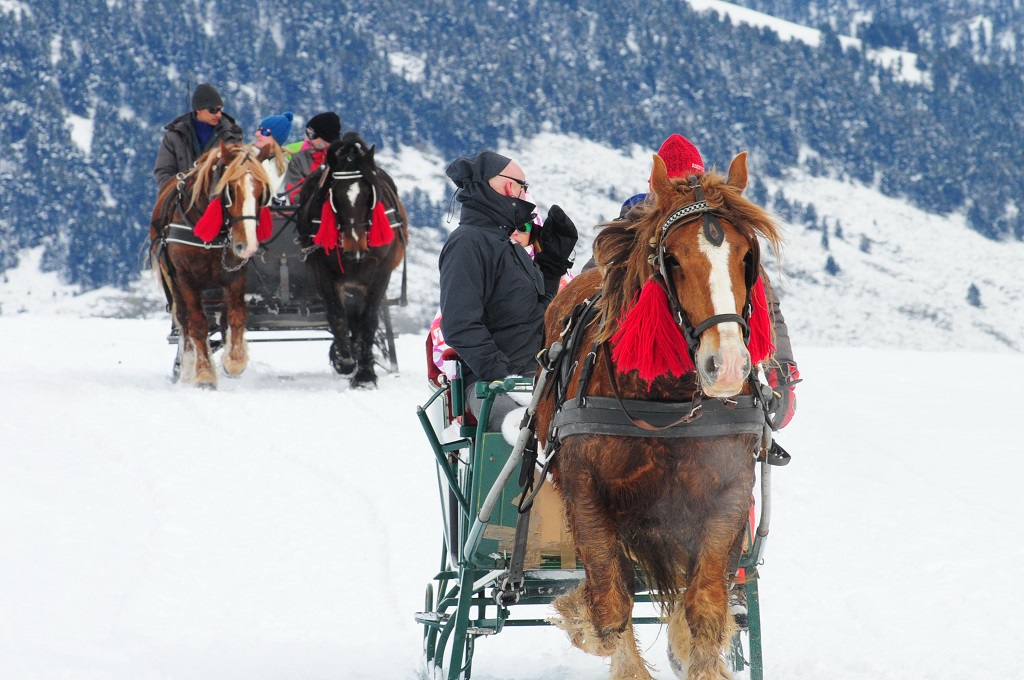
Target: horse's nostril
{"x": 711, "y": 365}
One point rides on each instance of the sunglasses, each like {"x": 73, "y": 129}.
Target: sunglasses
{"x": 263, "y": 131}
{"x": 526, "y": 227}
{"x": 215, "y": 110}
{"x": 525, "y": 185}
{"x": 311, "y": 135}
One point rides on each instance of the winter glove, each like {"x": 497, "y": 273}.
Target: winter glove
{"x": 783, "y": 380}
{"x": 557, "y": 240}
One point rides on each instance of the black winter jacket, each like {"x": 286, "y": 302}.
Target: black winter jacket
{"x": 180, "y": 148}
{"x": 492, "y": 294}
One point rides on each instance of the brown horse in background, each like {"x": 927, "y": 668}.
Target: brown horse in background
{"x": 676, "y": 506}
{"x": 203, "y": 231}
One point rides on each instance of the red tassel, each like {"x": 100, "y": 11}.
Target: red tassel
{"x": 648, "y": 339}
{"x": 760, "y": 344}
{"x": 265, "y": 228}
{"x": 381, "y": 233}
{"x": 208, "y": 226}
{"x": 327, "y": 236}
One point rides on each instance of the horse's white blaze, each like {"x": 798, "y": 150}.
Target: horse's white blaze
{"x": 249, "y": 208}
{"x": 720, "y": 283}
{"x": 732, "y": 358}
{"x": 353, "y": 194}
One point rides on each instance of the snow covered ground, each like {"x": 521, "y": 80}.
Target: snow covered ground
{"x": 285, "y": 526}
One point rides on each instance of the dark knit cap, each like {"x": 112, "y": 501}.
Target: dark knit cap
{"x": 326, "y": 125}
{"x": 206, "y": 97}
{"x": 485, "y": 165}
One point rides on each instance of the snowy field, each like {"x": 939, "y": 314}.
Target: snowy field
{"x": 285, "y": 526}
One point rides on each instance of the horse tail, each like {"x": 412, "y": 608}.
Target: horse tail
{"x": 658, "y": 561}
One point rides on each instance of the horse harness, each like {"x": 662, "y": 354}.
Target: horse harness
{"x": 715, "y": 235}
{"x": 184, "y": 232}
{"x": 391, "y": 211}
{"x": 590, "y": 414}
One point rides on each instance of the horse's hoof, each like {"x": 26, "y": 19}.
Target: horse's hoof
{"x": 207, "y": 386}
{"x": 363, "y": 381}
{"x": 343, "y": 365}
{"x": 234, "y": 369}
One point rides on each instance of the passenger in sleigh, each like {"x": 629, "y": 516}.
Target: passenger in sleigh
{"x": 192, "y": 134}
{"x": 493, "y": 294}
{"x": 441, "y": 359}
{"x": 682, "y": 159}
{"x": 271, "y": 136}
{"x": 322, "y": 130}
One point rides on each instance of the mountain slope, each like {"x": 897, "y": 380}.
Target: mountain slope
{"x": 455, "y": 77}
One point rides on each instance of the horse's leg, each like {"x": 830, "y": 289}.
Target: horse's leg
{"x": 598, "y": 615}
{"x": 707, "y": 619}
{"x": 364, "y": 333}
{"x": 680, "y": 640}
{"x": 341, "y": 347}
{"x": 195, "y": 328}
{"x": 236, "y": 351}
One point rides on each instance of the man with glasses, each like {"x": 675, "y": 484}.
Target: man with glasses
{"x": 321, "y": 131}
{"x": 493, "y": 295}
{"x": 192, "y": 134}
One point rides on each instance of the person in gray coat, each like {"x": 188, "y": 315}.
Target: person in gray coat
{"x": 192, "y": 134}
{"x": 493, "y": 296}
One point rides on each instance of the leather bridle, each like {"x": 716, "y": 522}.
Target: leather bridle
{"x": 715, "y": 235}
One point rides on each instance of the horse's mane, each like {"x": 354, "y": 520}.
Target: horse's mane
{"x": 240, "y": 158}
{"x": 622, "y": 248}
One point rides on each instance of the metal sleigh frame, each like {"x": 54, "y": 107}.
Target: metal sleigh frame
{"x": 478, "y": 489}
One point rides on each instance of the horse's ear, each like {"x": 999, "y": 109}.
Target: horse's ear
{"x": 369, "y": 154}
{"x": 660, "y": 182}
{"x": 738, "y": 171}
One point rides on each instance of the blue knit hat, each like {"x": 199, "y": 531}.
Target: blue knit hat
{"x": 280, "y": 126}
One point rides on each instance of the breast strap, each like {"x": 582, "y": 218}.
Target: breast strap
{"x": 706, "y": 418}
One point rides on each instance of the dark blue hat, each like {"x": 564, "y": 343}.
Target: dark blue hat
{"x": 280, "y": 126}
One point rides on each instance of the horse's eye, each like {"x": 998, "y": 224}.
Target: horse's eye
{"x": 671, "y": 261}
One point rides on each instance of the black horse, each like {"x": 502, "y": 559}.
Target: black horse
{"x": 354, "y": 228}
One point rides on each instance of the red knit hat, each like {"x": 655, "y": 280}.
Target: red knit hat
{"x": 681, "y": 157}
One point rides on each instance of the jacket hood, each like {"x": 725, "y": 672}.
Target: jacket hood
{"x": 471, "y": 175}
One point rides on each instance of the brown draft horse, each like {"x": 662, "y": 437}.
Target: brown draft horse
{"x": 354, "y": 230}
{"x": 675, "y": 506}
{"x": 203, "y": 232}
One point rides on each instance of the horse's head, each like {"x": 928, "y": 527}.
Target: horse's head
{"x": 696, "y": 238}
{"x": 353, "y": 191}
{"x": 233, "y": 173}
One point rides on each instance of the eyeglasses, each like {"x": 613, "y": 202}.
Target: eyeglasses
{"x": 523, "y": 183}
{"x": 263, "y": 131}
{"x": 311, "y": 135}
{"x": 215, "y": 110}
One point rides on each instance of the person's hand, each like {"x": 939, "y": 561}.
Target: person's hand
{"x": 557, "y": 239}
{"x": 783, "y": 380}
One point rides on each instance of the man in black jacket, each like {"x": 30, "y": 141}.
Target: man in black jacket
{"x": 493, "y": 296}
{"x": 192, "y": 134}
